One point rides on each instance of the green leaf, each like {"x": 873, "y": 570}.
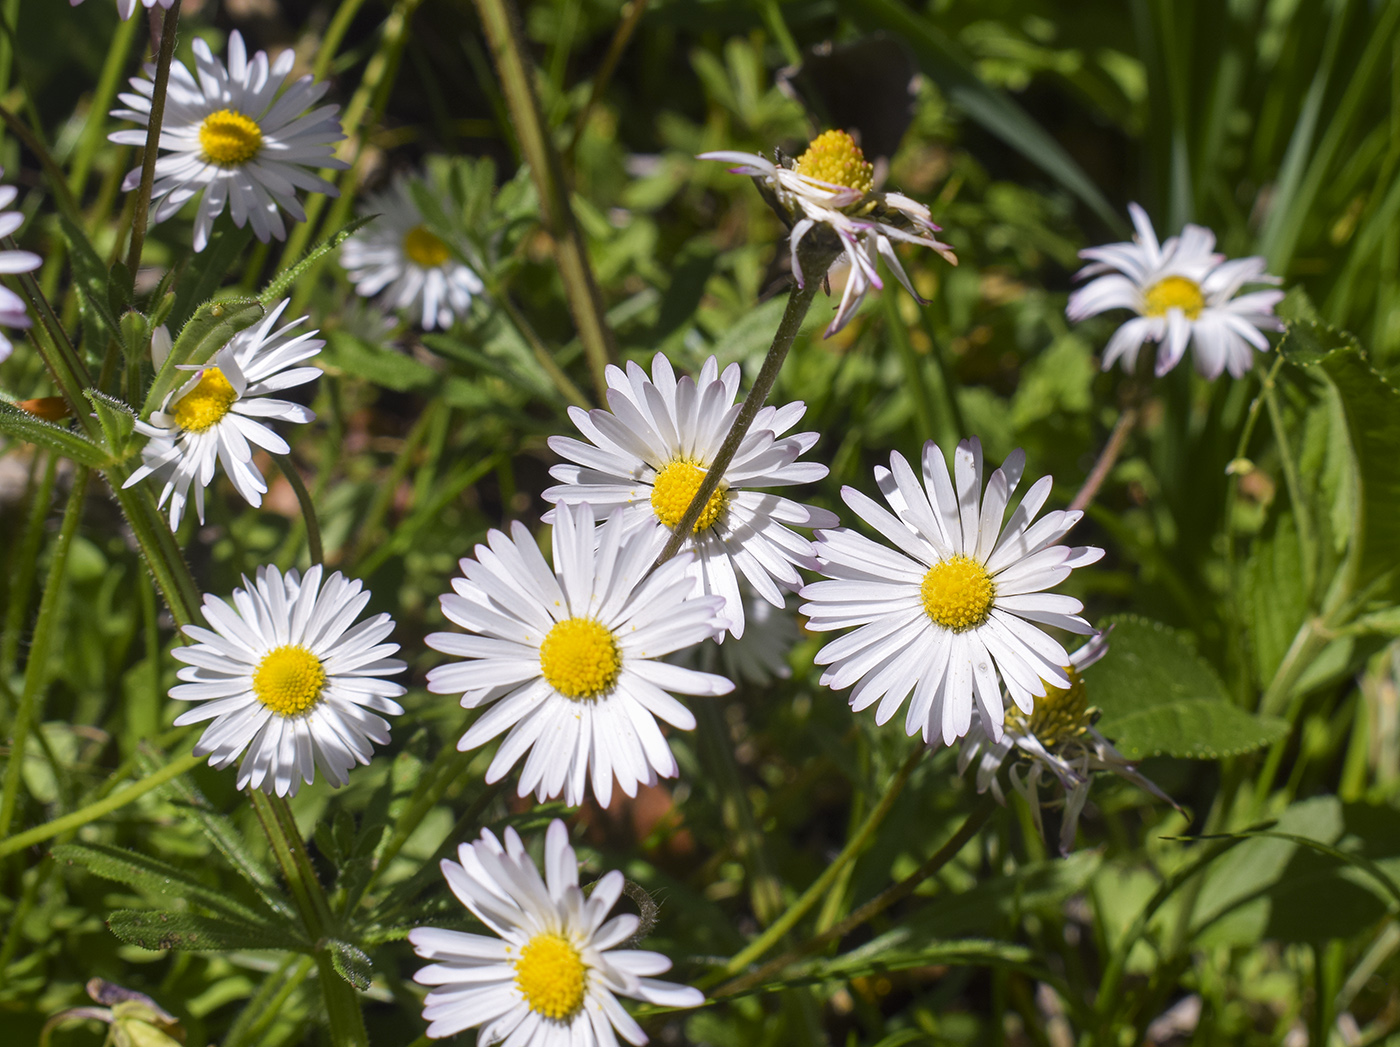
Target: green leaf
{"x": 151, "y": 874}
{"x": 213, "y": 324}
{"x": 207, "y": 269}
{"x": 17, "y": 422}
{"x": 161, "y": 929}
{"x": 394, "y": 370}
{"x": 91, "y": 278}
{"x": 351, "y": 964}
{"x": 1275, "y": 597}
{"x": 1160, "y": 698}
{"x": 283, "y": 281}
{"x": 1371, "y": 409}
{"x": 894, "y": 951}
{"x": 117, "y": 420}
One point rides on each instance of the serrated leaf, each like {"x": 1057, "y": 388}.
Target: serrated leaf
{"x": 283, "y": 281}
{"x": 213, "y": 324}
{"x": 1275, "y": 598}
{"x": 160, "y": 929}
{"x": 151, "y": 874}
{"x": 19, "y": 423}
{"x": 351, "y": 964}
{"x": 383, "y": 367}
{"x": 1160, "y": 698}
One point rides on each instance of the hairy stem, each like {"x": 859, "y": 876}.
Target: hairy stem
{"x": 1107, "y": 459}
{"x": 141, "y": 215}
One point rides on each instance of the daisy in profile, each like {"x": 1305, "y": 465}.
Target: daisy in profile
{"x": 400, "y": 259}
{"x": 1057, "y": 739}
{"x": 228, "y": 134}
{"x": 569, "y": 659}
{"x": 958, "y": 601}
{"x": 126, "y": 8}
{"x": 648, "y": 455}
{"x": 831, "y": 186}
{"x": 216, "y": 415}
{"x": 1183, "y": 293}
{"x": 551, "y": 975}
{"x": 287, "y": 681}
{"x": 12, "y": 310}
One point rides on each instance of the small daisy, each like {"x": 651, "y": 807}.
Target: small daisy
{"x": 552, "y": 974}
{"x": 285, "y": 677}
{"x": 400, "y": 256}
{"x": 831, "y": 186}
{"x": 229, "y": 135}
{"x": 12, "y": 310}
{"x": 212, "y": 417}
{"x": 1183, "y": 292}
{"x": 570, "y": 657}
{"x": 1058, "y": 738}
{"x": 760, "y": 656}
{"x": 126, "y": 8}
{"x": 649, "y": 454}
{"x": 956, "y": 603}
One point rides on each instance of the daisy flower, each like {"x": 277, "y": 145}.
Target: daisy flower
{"x": 213, "y": 417}
{"x": 1059, "y": 739}
{"x": 126, "y": 8}
{"x": 831, "y": 186}
{"x": 649, "y": 454}
{"x": 957, "y": 602}
{"x": 552, "y": 974}
{"x": 760, "y": 656}
{"x": 398, "y": 255}
{"x": 12, "y": 310}
{"x": 569, "y": 658}
{"x": 229, "y": 135}
{"x": 284, "y": 676}
{"x": 1184, "y": 293}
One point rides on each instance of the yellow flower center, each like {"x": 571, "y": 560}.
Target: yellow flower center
{"x": 834, "y": 157}
{"x": 229, "y": 138}
{"x": 289, "y": 680}
{"x": 580, "y": 658}
{"x": 958, "y": 593}
{"x": 1174, "y": 292}
{"x": 550, "y": 974}
{"x": 673, "y": 489}
{"x": 206, "y": 403}
{"x": 1062, "y": 714}
{"x": 424, "y": 249}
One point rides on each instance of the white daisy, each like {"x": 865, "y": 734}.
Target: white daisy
{"x": 760, "y": 656}
{"x": 955, "y": 603}
{"x": 125, "y": 8}
{"x": 285, "y": 677}
{"x": 12, "y": 309}
{"x": 1058, "y": 738}
{"x": 400, "y": 256}
{"x": 1183, "y": 292}
{"x": 570, "y": 657}
{"x": 831, "y": 186}
{"x": 552, "y": 975}
{"x": 649, "y": 454}
{"x": 212, "y": 417}
{"x": 230, "y": 135}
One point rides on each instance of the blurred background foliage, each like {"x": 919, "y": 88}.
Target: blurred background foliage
{"x": 1027, "y": 126}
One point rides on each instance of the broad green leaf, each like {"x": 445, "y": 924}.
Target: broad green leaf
{"x": 160, "y": 929}
{"x": 351, "y": 964}
{"x": 151, "y": 874}
{"x": 1159, "y": 697}
{"x": 205, "y": 271}
{"x": 280, "y": 284}
{"x": 17, "y": 422}
{"x": 200, "y": 340}
{"x": 386, "y": 367}
{"x": 91, "y": 279}
{"x": 1274, "y": 597}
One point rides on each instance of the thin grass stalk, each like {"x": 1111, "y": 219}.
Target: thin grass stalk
{"x": 27, "y": 564}
{"x": 92, "y": 139}
{"x": 36, "y": 670}
{"x": 631, "y": 16}
{"x": 141, "y": 215}
{"x": 501, "y": 24}
{"x": 308, "y": 509}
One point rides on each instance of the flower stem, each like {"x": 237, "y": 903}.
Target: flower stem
{"x": 501, "y": 24}
{"x": 36, "y": 670}
{"x": 27, "y": 562}
{"x": 308, "y": 510}
{"x": 854, "y": 846}
{"x": 1108, "y": 457}
{"x": 969, "y": 828}
{"x": 141, "y": 215}
{"x": 799, "y": 302}
{"x": 347, "y": 1023}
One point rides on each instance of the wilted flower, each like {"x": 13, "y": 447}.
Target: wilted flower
{"x": 831, "y": 186}
{"x": 1183, "y": 292}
